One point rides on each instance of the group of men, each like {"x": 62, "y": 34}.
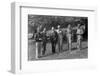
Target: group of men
{"x": 56, "y": 38}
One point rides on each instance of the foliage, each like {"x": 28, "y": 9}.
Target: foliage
{"x": 42, "y": 21}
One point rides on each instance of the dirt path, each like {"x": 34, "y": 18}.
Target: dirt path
{"x": 65, "y": 54}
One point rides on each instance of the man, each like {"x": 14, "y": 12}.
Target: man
{"x": 44, "y": 41}
{"x": 38, "y": 42}
{"x": 54, "y": 38}
{"x": 80, "y": 31}
{"x": 60, "y": 38}
{"x": 69, "y": 37}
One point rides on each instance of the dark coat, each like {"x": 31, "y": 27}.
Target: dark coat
{"x": 44, "y": 37}
{"x": 54, "y": 37}
{"x": 38, "y": 37}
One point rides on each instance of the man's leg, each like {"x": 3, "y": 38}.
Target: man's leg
{"x": 59, "y": 46}
{"x": 53, "y": 48}
{"x": 44, "y": 48}
{"x": 70, "y": 44}
{"x": 78, "y": 44}
{"x": 37, "y": 50}
{"x": 81, "y": 42}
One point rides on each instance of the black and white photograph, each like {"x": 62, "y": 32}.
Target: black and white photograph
{"x": 52, "y": 37}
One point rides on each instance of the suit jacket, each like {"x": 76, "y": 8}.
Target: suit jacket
{"x": 54, "y": 36}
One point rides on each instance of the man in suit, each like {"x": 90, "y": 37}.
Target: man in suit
{"x": 44, "y": 41}
{"x": 60, "y": 38}
{"x": 54, "y": 39}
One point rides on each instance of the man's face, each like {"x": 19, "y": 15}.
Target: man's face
{"x": 69, "y": 26}
{"x": 44, "y": 30}
{"x": 78, "y": 25}
{"x": 58, "y": 26}
{"x": 38, "y": 30}
{"x": 52, "y": 28}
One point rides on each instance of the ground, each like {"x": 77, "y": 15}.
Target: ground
{"x": 65, "y": 54}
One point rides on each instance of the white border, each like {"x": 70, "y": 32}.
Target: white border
{"x": 17, "y": 44}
